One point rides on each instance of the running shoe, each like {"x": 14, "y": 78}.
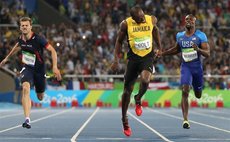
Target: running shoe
{"x": 186, "y": 124}
{"x": 26, "y": 124}
{"x": 138, "y": 108}
{"x": 126, "y": 129}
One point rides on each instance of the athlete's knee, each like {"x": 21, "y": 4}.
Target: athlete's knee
{"x": 128, "y": 89}
{"x": 198, "y": 94}
{"x": 40, "y": 96}
{"x": 26, "y": 88}
{"x": 145, "y": 77}
{"x": 145, "y": 80}
{"x": 127, "y": 92}
{"x": 185, "y": 91}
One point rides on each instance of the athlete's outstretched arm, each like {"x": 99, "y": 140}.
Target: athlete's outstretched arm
{"x": 204, "y": 50}
{"x": 172, "y": 51}
{"x": 54, "y": 62}
{"x": 15, "y": 49}
{"x": 156, "y": 33}
{"x": 118, "y": 45}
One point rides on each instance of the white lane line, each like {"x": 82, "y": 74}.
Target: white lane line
{"x": 23, "y": 138}
{"x": 196, "y": 112}
{"x": 11, "y": 115}
{"x": 209, "y": 115}
{"x": 150, "y": 128}
{"x": 217, "y": 111}
{"x": 36, "y": 120}
{"x": 208, "y": 139}
{"x": 195, "y": 122}
{"x": 73, "y": 139}
{"x": 118, "y": 139}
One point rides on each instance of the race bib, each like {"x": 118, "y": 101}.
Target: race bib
{"x": 189, "y": 54}
{"x": 142, "y": 43}
{"x": 28, "y": 58}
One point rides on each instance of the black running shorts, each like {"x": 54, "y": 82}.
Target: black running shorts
{"x": 34, "y": 78}
{"x": 135, "y": 67}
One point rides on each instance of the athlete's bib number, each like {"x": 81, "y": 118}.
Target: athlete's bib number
{"x": 189, "y": 54}
{"x": 142, "y": 43}
{"x": 28, "y": 58}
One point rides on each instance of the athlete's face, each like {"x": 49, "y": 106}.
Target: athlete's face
{"x": 139, "y": 17}
{"x": 25, "y": 27}
{"x": 190, "y": 21}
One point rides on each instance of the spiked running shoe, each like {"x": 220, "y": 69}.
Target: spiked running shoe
{"x": 186, "y": 124}
{"x": 26, "y": 124}
{"x": 126, "y": 129}
{"x": 138, "y": 108}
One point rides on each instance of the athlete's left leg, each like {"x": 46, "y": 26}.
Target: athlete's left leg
{"x": 40, "y": 96}
{"x": 145, "y": 77}
{"x": 197, "y": 83}
{"x": 146, "y": 67}
{"x": 144, "y": 83}
{"x": 39, "y": 83}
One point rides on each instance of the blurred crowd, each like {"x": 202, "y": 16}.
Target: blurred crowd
{"x": 88, "y": 47}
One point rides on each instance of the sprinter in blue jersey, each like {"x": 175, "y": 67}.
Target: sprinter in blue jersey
{"x": 32, "y": 46}
{"x": 192, "y": 44}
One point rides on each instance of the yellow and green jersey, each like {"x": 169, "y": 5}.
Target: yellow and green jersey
{"x": 140, "y": 38}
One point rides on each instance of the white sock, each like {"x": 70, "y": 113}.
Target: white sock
{"x": 28, "y": 119}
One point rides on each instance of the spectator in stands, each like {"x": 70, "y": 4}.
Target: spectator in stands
{"x": 103, "y": 14}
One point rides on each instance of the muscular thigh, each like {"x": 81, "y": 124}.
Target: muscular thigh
{"x": 131, "y": 73}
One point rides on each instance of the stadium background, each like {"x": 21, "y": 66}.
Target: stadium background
{"x": 84, "y": 32}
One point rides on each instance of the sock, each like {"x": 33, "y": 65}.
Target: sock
{"x": 28, "y": 119}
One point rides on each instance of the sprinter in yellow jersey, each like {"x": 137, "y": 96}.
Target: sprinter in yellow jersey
{"x": 140, "y": 30}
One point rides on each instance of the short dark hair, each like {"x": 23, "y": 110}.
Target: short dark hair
{"x": 191, "y": 15}
{"x": 134, "y": 10}
{"x": 22, "y": 19}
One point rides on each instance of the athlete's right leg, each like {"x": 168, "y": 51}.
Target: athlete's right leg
{"x": 131, "y": 75}
{"x": 186, "y": 80}
{"x": 126, "y": 100}
{"x": 26, "y": 103}
{"x": 26, "y": 79}
{"x": 124, "y": 106}
{"x": 184, "y": 101}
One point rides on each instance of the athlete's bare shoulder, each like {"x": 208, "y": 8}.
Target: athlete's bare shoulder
{"x": 154, "y": 19}
{"x": 123, "y": 26}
